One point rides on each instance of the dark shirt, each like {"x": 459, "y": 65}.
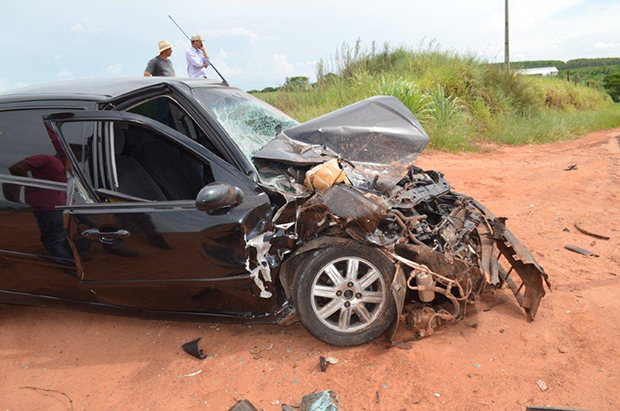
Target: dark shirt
{"x": 159, "y": 67}
{"x": 45, "y": 167}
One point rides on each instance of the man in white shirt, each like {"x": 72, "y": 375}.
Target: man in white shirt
{"x": 197, "y": 58}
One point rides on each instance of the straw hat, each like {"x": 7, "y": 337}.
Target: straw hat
{"x": 163, "y": 45}
{"x": 196, "y": 37}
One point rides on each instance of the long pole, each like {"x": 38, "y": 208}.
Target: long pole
{"x": 211, "y": 64}
{"x": 507, "y": 42}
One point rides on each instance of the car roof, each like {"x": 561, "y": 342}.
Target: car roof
{"x": 99, "y": 89}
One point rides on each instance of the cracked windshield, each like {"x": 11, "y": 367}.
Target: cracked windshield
{"x": 250, "y": 122}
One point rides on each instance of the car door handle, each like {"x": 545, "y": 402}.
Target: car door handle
{"x": 94, "y": 234}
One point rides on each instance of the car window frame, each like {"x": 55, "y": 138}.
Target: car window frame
{"x": 155, "y": 126}
{"x": 203, "y": 118}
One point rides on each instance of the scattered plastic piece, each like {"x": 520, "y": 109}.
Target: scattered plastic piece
{"x": 243, "y": 405}
{"x": 323, "y": 363}
{"x": 591, "y": 234}
{"x": 192, "y": 349}
{"x": 332, "y": 360}
{"x": 580, "y": 250}
{"x": 193, "y": 374}
{"x": 542, "y": 385}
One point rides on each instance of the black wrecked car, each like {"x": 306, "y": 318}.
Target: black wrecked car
{"x": 187, "y": 199}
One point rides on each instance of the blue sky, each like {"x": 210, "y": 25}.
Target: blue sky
{"x": 260, "y": 43}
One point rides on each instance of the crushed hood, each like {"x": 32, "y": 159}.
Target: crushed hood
{"x": 379, "y": 137}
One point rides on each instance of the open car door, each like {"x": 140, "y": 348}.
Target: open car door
{"x": 138, "y": 238}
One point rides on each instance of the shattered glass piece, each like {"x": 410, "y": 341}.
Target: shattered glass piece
{"x": 250, "y": 122}
{"x": 320, "y": 401}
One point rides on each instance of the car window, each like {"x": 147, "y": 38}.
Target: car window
{"x": 144, "y": 164}
{"x": 24, "y": 136}
{"x": 166, "y": 111}
{"x": 250, "y": 122}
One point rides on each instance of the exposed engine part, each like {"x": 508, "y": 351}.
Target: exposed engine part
{"x": 425, "y": 281}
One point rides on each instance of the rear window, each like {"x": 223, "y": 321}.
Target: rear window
{"x": 23, "y": 135}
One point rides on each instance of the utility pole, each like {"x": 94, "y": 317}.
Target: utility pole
{"x": 506, "y": 45}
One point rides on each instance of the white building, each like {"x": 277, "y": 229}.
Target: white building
{"x": 539, "y": 71}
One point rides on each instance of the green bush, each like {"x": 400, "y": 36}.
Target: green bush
{"x": 460, "y": 100}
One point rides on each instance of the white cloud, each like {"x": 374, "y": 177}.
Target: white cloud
{"x": 77, "y": 27}
{"x": 223, "y": 66}
{"x": 85, "y": 26}
{"x": 606, "y": 46}
{"x": 282, "y": 66}
{"x": 21, "y": 84}
{"x": 114, "y": 69}
{"x": 54, "y": 59}
{"x": 65, "y": 74}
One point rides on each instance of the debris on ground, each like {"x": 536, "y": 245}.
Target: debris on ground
{"x": 545, "y": 408}
{"x": 192, "y": 349}
{"x": 243, "y": 405}
{"x": 320, "y": 401}
{"x": 323, "y": 363}
{"x": 542, "y": 385}
{"x": 332, "y": 360}
{"x": 591, "y": 234}
{"x": 193, "y": 374}
{"x": 580, "y": 250}
{"x": 404, "y": 345}
{"x": 572, "y": 167}
{"x": 257, "y": 350}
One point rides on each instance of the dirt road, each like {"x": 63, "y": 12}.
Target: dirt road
{"x": 105, "y": 362}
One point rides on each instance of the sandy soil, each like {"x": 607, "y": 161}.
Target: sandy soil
{"x": 106, "y": 362}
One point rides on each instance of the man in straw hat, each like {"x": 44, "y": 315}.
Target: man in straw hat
{"x": 197, "y": 58}
{"x": 161, "y": 65}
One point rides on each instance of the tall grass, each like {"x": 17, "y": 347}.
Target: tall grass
{"x": 460, "y": 100}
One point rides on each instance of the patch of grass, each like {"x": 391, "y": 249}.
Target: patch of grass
{"x": 551, "y": 126}
{"x": 460, "y": 100}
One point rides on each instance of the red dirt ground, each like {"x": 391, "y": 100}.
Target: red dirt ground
{"x": 106, "y": 362}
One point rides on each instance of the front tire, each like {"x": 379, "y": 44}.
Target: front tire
{"x": 342, "y": 294}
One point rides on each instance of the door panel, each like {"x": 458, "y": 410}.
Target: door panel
{"x": 176, "y": 259}
{"x": 167, "y": 255}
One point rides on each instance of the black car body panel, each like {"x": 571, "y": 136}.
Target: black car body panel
{"x": 83, "y": 235}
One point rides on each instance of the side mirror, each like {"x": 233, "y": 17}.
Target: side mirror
{"x": 218, "y": 196}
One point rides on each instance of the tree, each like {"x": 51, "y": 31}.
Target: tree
{"x": 269, "y": 89}
{"x": 297, "y": 83}
{"x": 612, "y": 85}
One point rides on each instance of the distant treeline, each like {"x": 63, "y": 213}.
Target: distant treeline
{"x": 570, "y": 64}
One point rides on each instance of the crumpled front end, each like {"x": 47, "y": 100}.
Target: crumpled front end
{"x": 349, "y": 183}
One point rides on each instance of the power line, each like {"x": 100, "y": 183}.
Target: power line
{"x": 566, "y": 36}
{"x": 546, "y": 27}
{"x": 553, "y": 14}
{"x": 557, "y": 41}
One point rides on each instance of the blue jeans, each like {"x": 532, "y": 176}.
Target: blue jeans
{"x": 53, "y": 234}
